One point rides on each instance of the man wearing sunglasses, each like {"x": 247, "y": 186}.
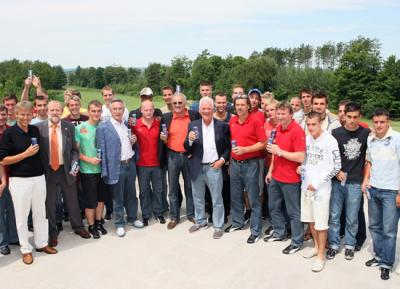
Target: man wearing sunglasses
{"x": 177, "y": 123}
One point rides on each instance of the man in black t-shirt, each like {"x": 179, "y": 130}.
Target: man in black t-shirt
{"x": 19, "y": 150}
{"x": 346, "y": 187}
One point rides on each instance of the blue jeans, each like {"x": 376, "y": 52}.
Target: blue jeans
{"x": 286, "y": 197}
{"x": 350, "y": 194}
{"x": 151, "y": 190}
{"x": 213, "y": 179}
{"x": 124, "y": 194}
{"x": 8, "y": 229}
{"x": 383, "y": 223}
{"x": 178, "y": 163}
{"x": 244, "y": 177}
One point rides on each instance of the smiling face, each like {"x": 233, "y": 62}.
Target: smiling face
{"x": 24, "y": 117}
{"x": 206, "y": 111}
{"x": 221, "y": 103}
{"x": 55, "y": 111}
{"x": 284, "y": 116}
{"x": 167, "y": 95}
{"x": 242, "y": 107}
{"x": 94, "y": 112}
{"x": 117, "y": 109}
{"x": 147, "y": 110}
{"x": 178, "y": 103}
{"x": 381, "y": 125}
{"x": 205, "y": 90}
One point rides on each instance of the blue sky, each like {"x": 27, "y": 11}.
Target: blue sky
{"x": 135, "y": 33}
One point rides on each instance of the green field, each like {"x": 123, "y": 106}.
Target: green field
{"x": 133, "y": 102}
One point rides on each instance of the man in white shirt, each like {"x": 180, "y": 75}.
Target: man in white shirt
{"x": 108, "y": 96}
{"x": 322, "y": 163}
{"x": 208, "y": 144}
{"x": 118, "y": 169}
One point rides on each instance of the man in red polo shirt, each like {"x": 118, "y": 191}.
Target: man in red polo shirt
{"x": 147, "y": 131}
{"x": 288, "y": 152}
{"x": 248, "y": 140}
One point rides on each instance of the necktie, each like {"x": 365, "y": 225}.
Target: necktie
{"x": 54, "y": 161}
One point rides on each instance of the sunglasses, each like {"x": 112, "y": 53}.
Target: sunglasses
{"x": 242, "y": 96}
{"x": 177, "y": 103}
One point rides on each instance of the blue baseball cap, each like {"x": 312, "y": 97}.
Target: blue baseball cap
{"x": 256, "y": 90}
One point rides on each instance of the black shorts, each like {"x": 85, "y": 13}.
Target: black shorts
{"x": 94, "y": 190}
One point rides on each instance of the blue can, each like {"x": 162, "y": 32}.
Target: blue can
{"x": 98, "y": 155}
{"x": 272, "y": 137}
{"x": 234, "y": 144}
{"x": 34, "y": 141}
{"x": 196, "y": 131}
{"x": 164, "y": 129}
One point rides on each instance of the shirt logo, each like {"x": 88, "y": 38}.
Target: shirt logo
{"x": 352, "y": 149}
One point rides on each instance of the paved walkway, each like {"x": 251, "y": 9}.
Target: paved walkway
{"x": 155, "y": 257}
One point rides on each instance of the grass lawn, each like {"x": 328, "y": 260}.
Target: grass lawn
{"x": 131, "y": 102}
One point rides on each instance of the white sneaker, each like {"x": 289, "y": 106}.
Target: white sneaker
{"x": 120, "y": 232}
{"x": 137, "y": 224}
{"x": 310, "y": 253}
{"x": 318, "y": 265}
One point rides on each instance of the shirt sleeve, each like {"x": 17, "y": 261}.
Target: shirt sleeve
{"x": 5, "y": 145}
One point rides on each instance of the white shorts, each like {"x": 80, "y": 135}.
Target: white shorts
{"x": 315, "y": 208}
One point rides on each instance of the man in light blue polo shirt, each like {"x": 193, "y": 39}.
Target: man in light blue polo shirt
{"x": 381, "y": 185}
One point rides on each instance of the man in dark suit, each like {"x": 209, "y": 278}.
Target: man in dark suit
{"x": 208, "y": 144}
{"x": 60, "y": 151}
{"x": 177, "y": 123}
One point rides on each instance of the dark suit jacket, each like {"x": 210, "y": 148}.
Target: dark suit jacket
{"x": 167, "y": 118}
{"x": 222, "y": 143}
{"x": 70, "y": 151}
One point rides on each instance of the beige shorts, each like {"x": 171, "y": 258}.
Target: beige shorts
{"x": 315, "y": 208}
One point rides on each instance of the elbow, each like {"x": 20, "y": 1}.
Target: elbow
{"x": 301, "y": 158}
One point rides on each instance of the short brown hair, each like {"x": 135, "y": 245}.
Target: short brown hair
{"x": 10, "y": 97}
{"x": 107, "y": 87}
{"x": 285, "y": 105}
{"x": 94, "y": 102}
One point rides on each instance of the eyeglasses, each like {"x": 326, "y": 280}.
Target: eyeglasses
{"x": 177, "y": 103}
{"x": 244, "y": 96}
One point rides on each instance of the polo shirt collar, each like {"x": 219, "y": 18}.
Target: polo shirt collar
{"x": 185, "y": 115}
{"x": 245, "y": 121}
{"x": 291, "y": 124}
{"x": 387, "y": 135}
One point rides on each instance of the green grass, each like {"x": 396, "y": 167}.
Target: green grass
{"x": 131, "y": 102}
{"x": 395, "y": 124}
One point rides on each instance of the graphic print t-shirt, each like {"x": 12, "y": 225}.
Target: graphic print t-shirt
{"x": 352, "y": 146}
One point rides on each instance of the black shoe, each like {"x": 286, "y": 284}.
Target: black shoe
{"x": 331, "y": 253}
{"x": 358, "y": 247}
{"x": 349, "y": 254}
{"x": 30, "y": 227}
{"x": 272, "y": 238}
{"x": 99, "y": 227}
{"x": 5, "y": 250}
{"x": 231, "y": 229}
{"x": 161, "y": 219}
{"x": 145, "y": 222}
{"x": 372, "y": 263}
{"x": 247, "y": 216}
{"x": 253, "y": 239}
{"x": 59, "y": 227}
{"x": 108, "y": 216}
{"x": 93, "y": 231}
{"x": 269, "y": 231}
{"x": 291, "y": 249}
{"x": 385, "y": 273}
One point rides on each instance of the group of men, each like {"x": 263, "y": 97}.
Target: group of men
{"x": 253, "y": 158}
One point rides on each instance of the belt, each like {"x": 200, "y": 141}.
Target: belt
{"x": 208, "y": 164}
{"x": 180, "y": 153}
{"x": 125, "y": 162}
{"x": 243, "y": 161}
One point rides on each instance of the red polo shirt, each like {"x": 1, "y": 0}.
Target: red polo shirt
{"x": 291, "y": 139}
{"x": 245, "y": 134}
{"x": 259, "y": 114}
{"x": 148, "y": 143}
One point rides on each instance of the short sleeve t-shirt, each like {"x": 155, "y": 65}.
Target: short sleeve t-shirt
{"x": 248, "y": 133}
{"x": 291, "y": 139}
{"x": 352, "y": 146}
{"x": 85, "y": 135}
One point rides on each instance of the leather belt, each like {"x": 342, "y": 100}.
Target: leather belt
{"x": 243, "y": 161}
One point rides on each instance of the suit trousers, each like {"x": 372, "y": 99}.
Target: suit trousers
{"x": 56, "y": 180}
